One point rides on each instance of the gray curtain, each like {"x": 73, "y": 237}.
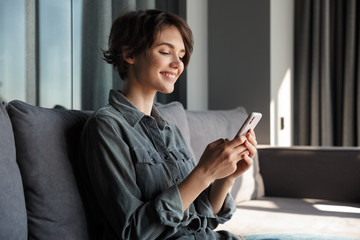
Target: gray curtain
{"x": 327, "y": 73}
{"x": 98, "y": 77}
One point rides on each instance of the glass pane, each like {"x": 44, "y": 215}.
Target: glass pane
{"x": 12, "y": 50}
{"x": 55, "y": 53}
{"x": 77, "y": 30}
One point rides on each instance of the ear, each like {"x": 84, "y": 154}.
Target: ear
{"x": 129, "y": 59}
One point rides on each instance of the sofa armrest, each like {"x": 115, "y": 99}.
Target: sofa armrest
{"x": 331, "y": 173}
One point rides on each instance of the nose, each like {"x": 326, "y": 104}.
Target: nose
{"x": 176, "y": 62}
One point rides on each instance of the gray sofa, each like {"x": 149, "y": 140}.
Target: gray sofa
{"x": 295, "y": 189}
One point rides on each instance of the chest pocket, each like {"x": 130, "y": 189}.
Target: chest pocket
{"x": 184, "y": 159}
{"x": 153, "y": 174}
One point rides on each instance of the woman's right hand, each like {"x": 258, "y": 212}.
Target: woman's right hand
{"x": 218, "y": 161}
{"x": 220, "y": 158}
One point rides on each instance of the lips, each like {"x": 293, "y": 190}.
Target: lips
{"x": 169, "y": 74}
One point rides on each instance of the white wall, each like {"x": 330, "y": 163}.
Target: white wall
{"x": 274, "y": 89}
{"x": 282, "y": 71}
{"x": 197, "y": 71}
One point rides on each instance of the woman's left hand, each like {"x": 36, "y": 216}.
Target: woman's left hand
{"x": 247, "y": 155}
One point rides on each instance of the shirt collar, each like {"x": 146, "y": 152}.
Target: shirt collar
{"x": 131, "y": 114}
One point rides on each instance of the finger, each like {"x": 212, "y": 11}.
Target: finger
{"x": 237, "y": 141}
{"x": 240, "y": 151}
{"x": 243, "y": 153}
{"x": 252, "y": 140}
{"x": 251, "y": 148}
{"x": 248, "y": 160}
{"x": 252, "y": 132}
{"x": 244, "y": 164}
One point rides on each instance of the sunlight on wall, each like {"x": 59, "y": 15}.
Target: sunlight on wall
{"x": 284, "y": 111}
{"x": 281, "y": 113}
{"x": 272, "y": 123}
{"x": 282, "y": 39}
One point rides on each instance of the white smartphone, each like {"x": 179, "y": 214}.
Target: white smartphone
{"x": 250, "y": 123}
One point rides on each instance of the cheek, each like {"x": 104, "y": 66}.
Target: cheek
{"x": 181, "y": 69}
{"x": 155, "y": 63}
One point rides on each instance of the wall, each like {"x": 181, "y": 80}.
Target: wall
{"x": 282, "y": 45}
{"x": 197, "y": 71}
{"x": 239, "y": 58}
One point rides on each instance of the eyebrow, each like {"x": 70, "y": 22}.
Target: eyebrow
{"x": 169, "y": 45}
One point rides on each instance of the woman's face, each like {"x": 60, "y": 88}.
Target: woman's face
{"x": 163, "y": 64}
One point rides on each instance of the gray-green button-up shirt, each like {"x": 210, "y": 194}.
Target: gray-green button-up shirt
{"x": 134, "y": 163}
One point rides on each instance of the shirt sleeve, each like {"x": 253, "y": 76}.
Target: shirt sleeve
{"x": 204, "y": 206}
{"x": 108, "y": 161}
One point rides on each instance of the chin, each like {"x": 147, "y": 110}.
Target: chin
{"x": 167, "y": 90}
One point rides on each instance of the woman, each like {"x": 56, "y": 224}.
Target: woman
{"x": 139, "y": 169}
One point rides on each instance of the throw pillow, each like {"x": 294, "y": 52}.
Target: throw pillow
{"x": 46, "y": 147}
{"x": 13, "y": 221}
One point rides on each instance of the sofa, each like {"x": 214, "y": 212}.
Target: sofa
{"x": 288, "y": 189}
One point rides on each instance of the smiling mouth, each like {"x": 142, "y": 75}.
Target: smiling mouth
{"x": 169, "y": 75}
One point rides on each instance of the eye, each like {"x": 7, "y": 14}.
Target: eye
{"x": 164, "y": 53}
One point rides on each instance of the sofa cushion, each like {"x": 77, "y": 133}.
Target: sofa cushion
{"x": 295, "y": 215}
{"x": 46, "y": 147}
{"x": 175, "y": 113}
{"x": 13, "y": 221}
{"x": 208, "y": 126}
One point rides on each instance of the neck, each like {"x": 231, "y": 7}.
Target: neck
{"x": 142, "y": 101}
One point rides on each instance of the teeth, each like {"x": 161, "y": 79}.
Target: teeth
{"x": 168, "y": 75}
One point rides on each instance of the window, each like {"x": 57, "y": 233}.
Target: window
{"x": 12, "y": 50}
{"x": 40, "y": 52}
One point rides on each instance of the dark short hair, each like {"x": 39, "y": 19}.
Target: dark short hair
{"x": 136, "y": 31}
